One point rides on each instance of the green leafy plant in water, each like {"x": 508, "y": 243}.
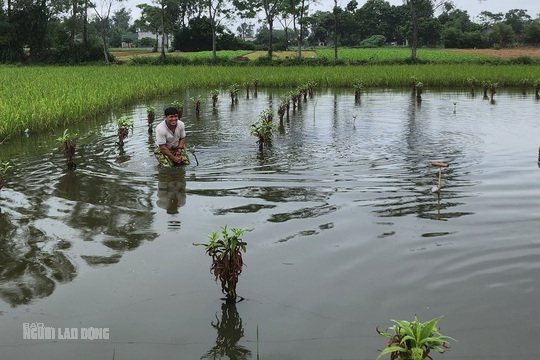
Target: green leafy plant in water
{"x": 125, "y": 124}
{"x": 150, "y": 114}
{"x": 264, "y": 128}
{"x": 214, "y": 94}
{"x": 179, "y": 106}
{"x": 358, "y": 86}
{"x": 5, "y": 167}
{"x": 68, "y": 148}
{"x": 419, "y": 89}
{"x": 413, "y": 340}
{"x": 233, "y": 92}
{"x": 226, "y": 253}
{"x": 197, "y": 101}
{"x": 472, "y": 82}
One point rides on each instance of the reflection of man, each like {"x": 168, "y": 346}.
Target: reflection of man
{"x": 171, "y": 191}
{"x": 170, "y": 140}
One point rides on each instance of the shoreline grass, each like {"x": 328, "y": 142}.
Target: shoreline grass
{"x": 44, "y": 98}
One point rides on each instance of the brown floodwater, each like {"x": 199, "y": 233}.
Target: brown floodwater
{"x": 346, "y": 231}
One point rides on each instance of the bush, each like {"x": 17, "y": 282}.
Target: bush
{"x": 374, "y": 41}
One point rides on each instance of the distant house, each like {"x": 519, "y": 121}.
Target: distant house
{"x": 129, "y": 40}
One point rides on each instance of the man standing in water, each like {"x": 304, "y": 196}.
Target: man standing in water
{"x": 170, "y": 140}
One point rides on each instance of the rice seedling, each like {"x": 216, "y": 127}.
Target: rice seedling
{"x": 226, "y": 254}
{"x": 413, "y": 340}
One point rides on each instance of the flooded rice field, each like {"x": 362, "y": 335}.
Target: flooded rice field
{"x": 346, "y": 231}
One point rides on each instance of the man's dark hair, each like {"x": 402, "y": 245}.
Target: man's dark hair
{"x": 171, "y": 111}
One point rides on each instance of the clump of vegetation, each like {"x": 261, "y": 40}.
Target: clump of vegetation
{"x": 255, "y": 87}
{"x": 264, "y": 128}
{"x": 197, "y": 101}
{"x": 358, "y": 86}
{"x": 537, "y": 88}
{"x": 179, "y": 106}
{"x": 214, "y": 94}
{"x": 226, "y": 254}
{"x": 233, "y": 92}
{"x": 68, "y": 148}
{"x": 419, "y": 90}
{"x": 472, "y": 84}
{"x": 5, "y": 167}
{"x": 413, "y": 340}
{"x": 125, "y": 124}
{"x": 311, "y": 86}
{"x": 151, "y": 116}
{"x": 282, "y": 108}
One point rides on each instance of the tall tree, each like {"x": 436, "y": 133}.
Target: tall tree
{"x": 301, "y": 13}
{"x": 150, "y": 20}
{"x": 420, "y": 10}
{"x": 270, "y": 8}
{"x": 103, "y": 14}
{"x": 217, "y": 10}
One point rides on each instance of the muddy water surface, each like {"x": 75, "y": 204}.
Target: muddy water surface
{"x": 346, "y": 233}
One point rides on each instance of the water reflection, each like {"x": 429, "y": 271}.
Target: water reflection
{"x": 171, "y": 189}
{"x": 28, "y": 268}
{"x": 230, "y": 331}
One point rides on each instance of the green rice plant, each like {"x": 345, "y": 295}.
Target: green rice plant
{"x": 206, "y": 55}
{"x": 125, "y": 124}
{"x": 413, "y": 340}
{"x": 226, "y": 253}
{"x": 51, "y": 98}
{"x": 68, "y": 148}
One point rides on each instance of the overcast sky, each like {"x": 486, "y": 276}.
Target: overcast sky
{"x": 473, "y": 7}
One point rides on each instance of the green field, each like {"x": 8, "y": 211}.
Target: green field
{"x": 45, "y": 98}
{"x": 397, "y": 53}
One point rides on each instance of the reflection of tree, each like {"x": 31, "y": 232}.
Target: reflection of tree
{"x": 113, "y": 211}
{"x": 27, "y": 271}
{"x": 171, "y": 190}
{"x": 229, "y": 332}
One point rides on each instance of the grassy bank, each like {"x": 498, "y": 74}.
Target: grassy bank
{"x": 42, "y": 98}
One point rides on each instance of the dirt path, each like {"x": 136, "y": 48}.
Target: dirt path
{"x": 503, "y": 53}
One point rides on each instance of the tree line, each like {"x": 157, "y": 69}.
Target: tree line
{"x": 79, "y": 31}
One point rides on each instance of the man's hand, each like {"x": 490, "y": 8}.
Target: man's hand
{"x": 177, "y": 156}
